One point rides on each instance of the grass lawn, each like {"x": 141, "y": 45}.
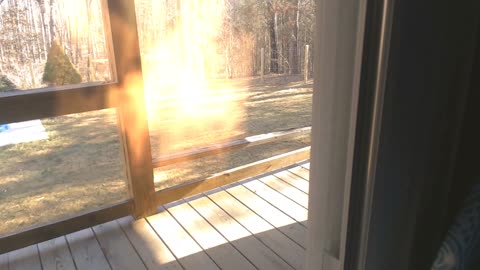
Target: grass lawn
{"x": 80, "y": 166}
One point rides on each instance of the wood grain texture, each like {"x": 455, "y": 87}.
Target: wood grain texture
{"x": 137, "y": 157}
{"x": 132, "y": 109}
{"x": 304, "y": 173}
{"x": 118, "y": 250}
{"x": 214, "y": 244}
{"x": 280, "y": 201}
{"x": 25, "y": 258}
{"x": 290, "y": 251}
{"x": 188, "y": 252}
{"x": 152, "y": 250}
{"x": 230, "y": 176}
{"x": 256, "y": 251}
{"x": 293, "y": 180}
{"x": 272, "y": 215}
{"x": 86, "y": 251}
{"x": 289, "y": 191}
{"x": 55, "y": 255}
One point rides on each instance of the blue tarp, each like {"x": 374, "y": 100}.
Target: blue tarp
{"x": 4, "y": 127}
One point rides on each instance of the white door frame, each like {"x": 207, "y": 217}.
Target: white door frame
{"x": 339, "y": 60}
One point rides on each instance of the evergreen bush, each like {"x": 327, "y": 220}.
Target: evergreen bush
{"x": 59, "y": 70}
{"x": 5, "y": 84}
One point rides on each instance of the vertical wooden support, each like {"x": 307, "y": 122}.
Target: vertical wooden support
{"x": 305, "y": 69}
{"x": 132, "y": 110}
{"x": 262, "y": 63}
{"x": 108, "y": 40}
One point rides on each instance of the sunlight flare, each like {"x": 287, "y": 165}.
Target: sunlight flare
{"x": 183, "y": 100}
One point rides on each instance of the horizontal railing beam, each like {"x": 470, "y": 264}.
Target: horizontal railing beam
{"x": 56, "y": 229}
{"x": 228, "y": 146}
{"x": 27, "y": 105}
{"x": 231, "y": 176}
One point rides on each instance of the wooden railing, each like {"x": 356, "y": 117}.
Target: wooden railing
{"x": 228, "y": 146}
{"x": 230, "y": 176}
{"x": 55, "y": 229}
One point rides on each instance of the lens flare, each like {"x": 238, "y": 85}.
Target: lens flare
{"x": 187, "y": 108}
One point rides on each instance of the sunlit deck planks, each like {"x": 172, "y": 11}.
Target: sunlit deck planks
{"x": 258, "y": 223}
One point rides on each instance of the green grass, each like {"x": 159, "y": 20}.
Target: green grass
{"x": 80, "y": 167}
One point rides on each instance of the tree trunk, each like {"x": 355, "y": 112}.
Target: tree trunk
{"x": 294, "y": 63}
{"x": 274, "y": 44}
{"x": 21, "y": 56}
{"x": 90, "y": 71}
{"x": 2, "y": 58}
{"x": 46, "y": 44}
{"x": 52, "y": 23}
{"x": 78, "y": 49}
{"x": 35, "y": 29}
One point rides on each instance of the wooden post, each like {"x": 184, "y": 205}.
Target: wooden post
{"x": 132, "y": 109}
{"x": 305, "y": 69}
{"x": 109, "y": 40}
{"x": 262, "y": 63}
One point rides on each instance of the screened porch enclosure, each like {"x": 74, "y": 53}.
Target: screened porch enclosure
{"x": 130, "y": 122}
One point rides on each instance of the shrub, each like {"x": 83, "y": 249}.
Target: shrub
{"x": 59, "y": 70}
{"x": 5, "y": 84}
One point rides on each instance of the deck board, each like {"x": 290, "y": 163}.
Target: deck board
{"x": 55, "y": 255}
{"x": 269, "y": 213}
{"x": 293, "y": 180}
{"x": 117, "y": 248}
{"x": 277, "y": 241}
{"x": 305, "y": 165}
{"x": 284, "y": 188}
{"x": 189, "y": 253}
{"x": 281, "y": 202}
{"x": 4, "y": 261}
{"x": 86, "y": 251}
{"x": 25, "y": 258}
{"x": 304, "y": 173}
{"x": 214, "y": 244}
{"x": 149, "y": 246}
{"x": 256, "y": 251}
{"x": 257, "y": 223}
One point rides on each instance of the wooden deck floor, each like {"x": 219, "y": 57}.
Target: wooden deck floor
{"x": 259, "y": 223}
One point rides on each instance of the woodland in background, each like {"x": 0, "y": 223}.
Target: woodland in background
{"x": 28, "y": 28}
{"x": 282, "y": 28}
